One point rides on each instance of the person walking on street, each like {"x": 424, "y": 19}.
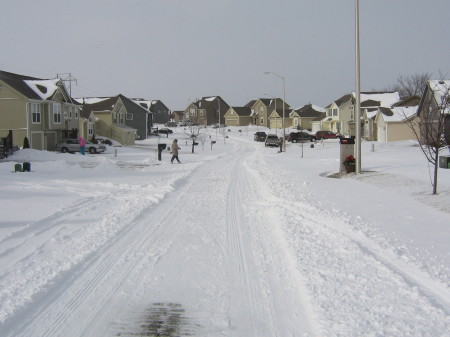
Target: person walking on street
{"x": 175, "y": 149}
{"x": 82, "y": 145}
{"x": 280, "y": 144}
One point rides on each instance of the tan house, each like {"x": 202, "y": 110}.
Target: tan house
{"x": 276, "y": 119}
{"x": 394, "y": 124}
{"x": 340, "y": 116}
{"x": 39, "y": 109}
{"x": 109, "y": 117}
{"x": 302, "y": 118}
{"x": 238, "y": 116}
{"x": 262, "y": 108}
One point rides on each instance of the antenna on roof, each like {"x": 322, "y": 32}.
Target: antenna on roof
{"x": 68, "y": 78}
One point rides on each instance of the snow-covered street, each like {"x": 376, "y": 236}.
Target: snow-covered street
{"x": 238, "y": 240}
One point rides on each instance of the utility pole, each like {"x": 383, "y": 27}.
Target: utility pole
{"x": 358, "y": 92}
{"x": 67, "y": 78}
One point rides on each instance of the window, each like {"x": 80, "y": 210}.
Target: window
{"x": 114, "y": 117}
{"x": 90, "y": 129}
{"x": 262, "y": 120}
{"x": 129, "y": 117}
{"x": 57, "y": 113}
{"x": 76, "y": 112}
{"x": 36, "y": 113}
{"x": 335, "y": 112}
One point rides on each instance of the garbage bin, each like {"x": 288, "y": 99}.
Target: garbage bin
{"x": 26, "y": 167}
{"x": 18, "y": 168}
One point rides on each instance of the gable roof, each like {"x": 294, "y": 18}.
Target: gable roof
{"x": 32, "y": 87}
{"x": 398, "y": 114}
{"x": 108, "y": 104}
{"x": 310, "y": 110}
{"x": 242, "y": 111}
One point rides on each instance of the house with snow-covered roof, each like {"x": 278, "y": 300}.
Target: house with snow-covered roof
{"x": 119, "y": 118}
{"x": 160, "y": 113}
{"x": 39, "y": 109}
{"x": 340, "y": 116}
{"x": 395, "y": 124}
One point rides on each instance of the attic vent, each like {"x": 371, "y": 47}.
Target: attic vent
{"x": 41, "y": 88}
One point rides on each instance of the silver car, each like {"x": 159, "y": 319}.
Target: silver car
{"x": 73, "y": 145}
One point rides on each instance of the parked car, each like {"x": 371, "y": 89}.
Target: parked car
{"x": 260, "y": 136}
{"x": 271, "y": 140}
{"x": 165, "y": 131}
{"x": 326, "y": 135}
{"x": 171, "y": 124}
{"x": 73, "y": 145}
{"x": 295, "y": 137}
{"x": 102, "y": 140}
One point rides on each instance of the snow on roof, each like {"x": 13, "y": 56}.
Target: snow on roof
{"x": 90, "y": 100}
{"x": 386, "y": 99}
{"x": 210, "y": 99}
{"x": 43, "y": 88}
{"x": 441, "y": 90}
{"x": 318, "y": 108}
{"x": 401, "y": 113}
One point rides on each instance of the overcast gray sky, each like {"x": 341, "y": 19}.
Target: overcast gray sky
{"x": 180, "y": 50}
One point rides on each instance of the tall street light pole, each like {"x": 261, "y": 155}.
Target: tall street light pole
{"x": 358, "y": 92}
{"x": 284, "y": 103}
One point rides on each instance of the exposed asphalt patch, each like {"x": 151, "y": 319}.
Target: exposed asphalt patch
{"x": 164, "y": 320}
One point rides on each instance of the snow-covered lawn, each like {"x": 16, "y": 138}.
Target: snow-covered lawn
{"x": 238, "y": 240}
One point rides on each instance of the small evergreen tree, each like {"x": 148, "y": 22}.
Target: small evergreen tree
{"x": 26, "y": 143}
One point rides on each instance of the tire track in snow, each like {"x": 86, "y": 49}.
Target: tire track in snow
{"x": 266, "y": 277}
{"x": 355, "y": 280}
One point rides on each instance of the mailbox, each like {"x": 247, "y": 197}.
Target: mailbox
{"x": 347, "y": 148}
{"x": 161, "y": 147}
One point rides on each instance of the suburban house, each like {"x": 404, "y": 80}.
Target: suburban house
{"x": 276, "y": 119}
{"x": 434, "y": 110}
{"x": 206, "y": 111}
{"x": 394, "y": 124}
{"x": 160, "y": 113}
{"x": 39, "y": 109}
{"x": 340, "y": 115}
{"x": 238, "y": 116}
{"x": 262, "y": 108}
{"x": 177, "y": 116}
{"x": 119, "y": 118}
{"x": 303, "y": 117}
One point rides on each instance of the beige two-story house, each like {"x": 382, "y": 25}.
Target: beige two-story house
{"x": 262, "y": 108}
{"x": 39, "y": 109}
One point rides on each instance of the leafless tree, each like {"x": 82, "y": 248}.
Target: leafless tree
{"x": 411, "y": 85}
{"x": 432, "y": 127}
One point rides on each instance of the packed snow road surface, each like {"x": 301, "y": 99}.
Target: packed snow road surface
{"x": 233, "y": 242}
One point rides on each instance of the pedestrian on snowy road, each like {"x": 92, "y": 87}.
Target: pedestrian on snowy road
{"x": 175, "y": 149}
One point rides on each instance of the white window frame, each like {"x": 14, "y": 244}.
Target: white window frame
{"x": 35, "y": 113}
{"x": 56, "y": 113}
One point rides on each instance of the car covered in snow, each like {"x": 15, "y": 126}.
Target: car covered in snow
{"x": 73, "y": 145}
